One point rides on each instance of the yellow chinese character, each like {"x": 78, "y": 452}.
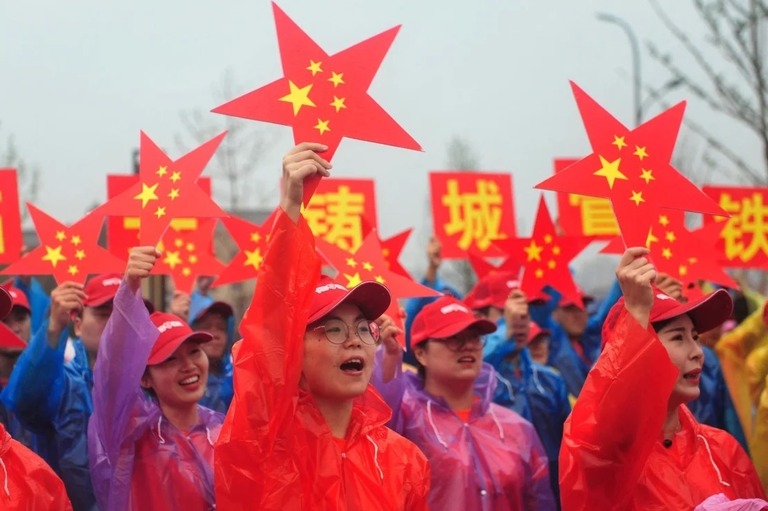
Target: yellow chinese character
{"x": 597, "y": 218}
{"x": 476, "y": 215}
{"x": 745, "y": 233}
{"x": 337, "y": 217}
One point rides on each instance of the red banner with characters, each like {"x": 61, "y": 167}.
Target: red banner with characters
{"x": 342, "y": 211}
{"x": 579, "y": 215}
{"x": 123, "y": 232}
{"x": 470, "y": 210}
{"x": 10, "y": 218}
{"x": 744, "y": 238}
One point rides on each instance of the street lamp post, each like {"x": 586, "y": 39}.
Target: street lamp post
{"x": 610, "y": 18}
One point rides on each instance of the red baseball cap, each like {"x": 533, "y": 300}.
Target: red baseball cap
{"x": 6, "y": 302}
{"x": 535, "y": 331}
{"x": 173, "y": 332}
{"x": 445, "y": 317}
{"x": 372, "y": 298}
{"x": 493, "y": 290}
{"x": 101, "y": 289}
{"x": 706, "y": 312}
{"x": 18, "y": 297}
{"x": 569, "y": 301}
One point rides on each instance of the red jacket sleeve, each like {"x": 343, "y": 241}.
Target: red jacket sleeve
{"x": 616, "y": 420}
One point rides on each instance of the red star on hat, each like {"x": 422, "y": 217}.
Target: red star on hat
{"x": 187, "y": 255}
{"x": 166, "y": 190}
{"x": 368, "y": 263}
{"x": 251, "y": 239}
{"x": 631, "y": 168}
{"x": 545, "y": 257}
{"x": 67, "y": 253}
{"x": 323, "y": 97}
{"x": 688, "y": 256}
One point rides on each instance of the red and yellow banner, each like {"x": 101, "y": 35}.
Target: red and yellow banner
{"x": 10, "y": 219}
{"x": 342, "y": 211}
{"x": 579, "y": 215}
{"x": 744, "y": 238}
{"x": 123, "y": 232}
{"x": 470, "y": 210}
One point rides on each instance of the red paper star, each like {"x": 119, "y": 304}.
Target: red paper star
{"x": 323, "y": 97}
{"x": 367, "y": 263}
{"x": 166, "y": 190}
{"x": 545, "y": 257}
{"x": 632, "y": 168}
{"x": 391, "y": 248}
{"x": 483, "y": 268}
{"x": 687, "y": 256}
{"x": 252, "y": 241}
{"x": 187, "y": 255}
{"x": 67, "y": 253}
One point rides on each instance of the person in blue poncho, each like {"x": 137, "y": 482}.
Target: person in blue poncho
{"x": 51, "y": 393}
{"x": 39, "y": 300}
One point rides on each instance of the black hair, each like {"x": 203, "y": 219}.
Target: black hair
{"x": 659, "y": 325}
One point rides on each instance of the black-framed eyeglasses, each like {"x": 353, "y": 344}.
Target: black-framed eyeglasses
{"x": 459, "y": 341}
{"x": 337, "y": 331}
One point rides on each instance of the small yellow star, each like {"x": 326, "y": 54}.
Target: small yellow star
{"x": 556, "y": 250}
{"x": 186, "y": 272}
{"x": 174, "y": 193}
{"x": 53, "y": 255}
{"x": 160, "y": 212}
{"x": 190, "y": 247}
{"x": 619, "y": 142}
{"x": 637, "y": 198}
{"x": 314, "y": 67}
{"x": 548, "y": 238}
{"x": 533, "y": 251}
{"x": 351, "y": 262}
{"x": 253, "y": 258}
{"x": 670, "y": 237}
{"x": 192, "y": 259}
{"x": 72, "y": 270}
{"x": 640, "y": 152}
{"x": 336, "y": 78}
{"x": 80, "y": 254}
{"x": 683, "y": 270}
{"x": 551, "y": 265}
{"x": 610, "y": 171}
{"x": 338, "y": 103}
{"x": 539, "y": 273}
{"x": 379, "y": 279}
{"x": 178, "y": 242}
{"x": 664, "y": 220}
{"x": 75, "y": 240}
{"x": 60, "y": 235}
{"x": 172, "y": 259}
{"x": 367, "y": 266}
{"x": 298, "y": 97}
{"x": 666, "y": 253}
{"x": 352, "y": 280}
{"x": 175, "y": 176}
{"x": 647, "y": 175}
{"x": 162, "y": 171}
{"x": 147, "y": 194}
{"x": 322, "y": 126}
{"x": 255, "y": 237}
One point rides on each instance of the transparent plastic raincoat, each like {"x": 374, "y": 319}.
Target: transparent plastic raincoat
{"x": 138, "y": 459}
{"x": 275, "y": 451}
{"x": 612, "y": 457}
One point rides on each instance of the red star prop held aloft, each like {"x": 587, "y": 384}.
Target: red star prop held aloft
{"x": 368, "y": 263}
{"x": 166, "y": 190}
{"x": 688, "y": 256}
{"x": 251, "y": 239}
{"x": 187, "y": 255}
{"x": 483, "y": 268}
{"x": 391, "y": 248}
{"x": 67, "y": 253}
{"x": 323, "y": 97}
{"x": 631, "y": 168}
{"x": 545, "y": 257}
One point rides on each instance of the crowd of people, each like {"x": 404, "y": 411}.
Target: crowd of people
{"x": 640, "y": 400}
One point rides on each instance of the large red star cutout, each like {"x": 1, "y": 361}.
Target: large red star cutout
{"x": 483, "y": 268}
{"x": 323, "y": 97}
{"x": 368, "y": 263}
{"x": 187, "y": 255}
{"x": 166, "y": 190}
{"x": 632, "y": 168}
{"x": 545, "y": 257}
{"x": 688, "y": 256}
{"x": 251, "y": 239}
{"x": 67, "y": 253}
{"x": 391, "y": 248}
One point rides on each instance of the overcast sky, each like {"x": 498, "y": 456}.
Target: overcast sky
{"x": 79, "y": 79}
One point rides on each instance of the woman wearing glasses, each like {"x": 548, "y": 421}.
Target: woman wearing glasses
{"x": 482, "y": 455}
{"x": 305, "y": 430}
